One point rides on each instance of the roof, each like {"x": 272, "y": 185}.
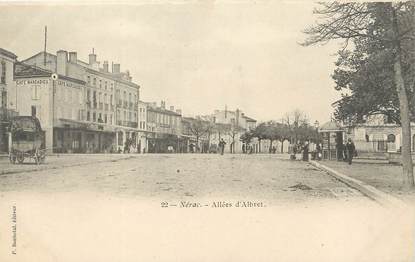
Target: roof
{"x": 162, "y": 111}
{"x": 23, "y": 70}
{"x": 40, "y": 53}
{"x": 7, "y": 53}
{"x": 330, "y": 126}
{"x": 90, "y": 70}
{"x": 248, "y": 119}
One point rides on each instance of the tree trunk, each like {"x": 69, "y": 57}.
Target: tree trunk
{"x": 259, "y": 145}
{"x": 282, "y": 146}
{"x": 406, "y": 127}
{"x": 270, "y": 146}
{"x": 406, "y": 157}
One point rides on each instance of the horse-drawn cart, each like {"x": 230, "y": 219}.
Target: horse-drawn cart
{"x": 27, "y": 140}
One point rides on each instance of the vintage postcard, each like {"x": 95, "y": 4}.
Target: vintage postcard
{"x": 225, "y": 130}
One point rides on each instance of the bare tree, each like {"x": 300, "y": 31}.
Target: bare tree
{"x": 388, "y": 24}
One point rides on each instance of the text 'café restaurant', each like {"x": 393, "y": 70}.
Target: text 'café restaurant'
{"x": 58, "y": 102}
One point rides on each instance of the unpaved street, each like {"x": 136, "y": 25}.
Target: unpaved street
{"x": 176, "y": 177}
{"x": 98, "y": 208}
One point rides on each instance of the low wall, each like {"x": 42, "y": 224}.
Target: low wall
{"x": 395, "y": 158}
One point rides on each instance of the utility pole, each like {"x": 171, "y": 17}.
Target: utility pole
{"x": 44, "y": 53}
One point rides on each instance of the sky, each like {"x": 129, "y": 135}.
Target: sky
{"x": 197, "y": 55}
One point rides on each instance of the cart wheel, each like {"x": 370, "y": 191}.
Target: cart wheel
{"x": 20, "y": 159}
{"x": 42, "y": 159}
{"x": 37, "y": 159}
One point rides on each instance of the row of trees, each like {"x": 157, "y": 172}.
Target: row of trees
{"x": 293, "y": 127}
{"x": 200, "y": 128}
{"x": 375, "y": 70}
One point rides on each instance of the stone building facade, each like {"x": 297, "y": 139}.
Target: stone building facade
{"x": 7, "y": 95}
{"x": 108, "y": 118}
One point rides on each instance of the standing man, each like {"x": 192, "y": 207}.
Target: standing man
{"x": 305, "y": 151}
{"x": 350, "y": 150}
{"x": 222, "y": 144}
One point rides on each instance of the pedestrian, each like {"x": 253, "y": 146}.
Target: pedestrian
{"x": 305, "y": 151}
{"x": 318, "y": 151}
{"x": 350, "y": 150}
{"x": 222, "y": 144}
{"x": 243, "y": 148}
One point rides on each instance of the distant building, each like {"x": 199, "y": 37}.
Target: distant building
{"x": 230, "y": 126}
{"x": 164, "y": 128}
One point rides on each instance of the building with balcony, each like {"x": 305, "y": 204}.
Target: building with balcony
{"x": 164, "y": 127}
{"x": 109, "y": 114}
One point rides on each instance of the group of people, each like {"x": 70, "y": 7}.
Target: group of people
{"x": 346, "y": 152}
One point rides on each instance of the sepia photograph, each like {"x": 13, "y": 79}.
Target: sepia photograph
{"x": 216, "y": 130}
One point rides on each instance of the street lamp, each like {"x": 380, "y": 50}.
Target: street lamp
{"x": 316, "y": 125}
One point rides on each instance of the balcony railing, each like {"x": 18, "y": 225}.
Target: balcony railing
{"x": 127, "y": 123}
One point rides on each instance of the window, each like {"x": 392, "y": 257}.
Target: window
{"x": 111, "y": 100}
{"x": 88, "y": 80}
{"x": 3, "y": 72}
{"x": 88, "y": 116}
{"x": 105, "y": 99}
{"x": 94, "y": 83}
{"x": 391, "y": 138}
{"x": 94, "y": 117}
{"x": 88, "y": 95}
{"x": 105, "y": 85}
{"x": 105, "y": 118}
{"x": 100, "y": 83}
{"x": 35, "y": 92}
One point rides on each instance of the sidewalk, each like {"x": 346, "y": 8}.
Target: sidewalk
{"x": 385, "y": 177}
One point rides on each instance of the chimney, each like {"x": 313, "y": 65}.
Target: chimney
{"x": 163, "y": 104}
{"x": 172, "y": 108}
{"x": 116, "y": 68}
{"x": 105, "y": 66}
{"x": 92, "y": 59}
{"x": 62, "y": 60}
{"x": 73, "y": 57}
{"x": 179, "y": 111}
